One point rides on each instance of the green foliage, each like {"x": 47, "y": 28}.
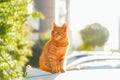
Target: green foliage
{"x": 14, "y": 47}
{"x": 94, "y": 35}
{"x": 83, "y": 46}
{"x": 37, "y": 14}
{"x": 4, "y": 1}
{"x": 37, "y": 48}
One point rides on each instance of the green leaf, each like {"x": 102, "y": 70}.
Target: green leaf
{"x": 37, "y": 15}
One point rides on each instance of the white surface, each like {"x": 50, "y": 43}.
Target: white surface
{"x": 35, "y": 72}
{"x": 101, "y": 74}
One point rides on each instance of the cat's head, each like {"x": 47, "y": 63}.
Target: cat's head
{"x": 59, "y": 32}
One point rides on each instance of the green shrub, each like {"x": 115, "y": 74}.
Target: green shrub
{"x": 83, "y": 46}
{"x": 14, "y": 47}
{"x": 94, "y": 35}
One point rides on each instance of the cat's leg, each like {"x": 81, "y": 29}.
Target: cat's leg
{"x": 53, "y": 63}
{"x": 58, "y": 66}
{"x": 62, "y": 62}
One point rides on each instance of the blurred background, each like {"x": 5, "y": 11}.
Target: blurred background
{"x": 80, "y": 14}
{"x": 92, "y": 26}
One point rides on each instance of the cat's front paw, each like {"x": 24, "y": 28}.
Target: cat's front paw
{"x": 54, "y": 71}
{"x": 62, "y": 70}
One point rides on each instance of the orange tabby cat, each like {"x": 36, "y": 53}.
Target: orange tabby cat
{"x": 53, "y": 55}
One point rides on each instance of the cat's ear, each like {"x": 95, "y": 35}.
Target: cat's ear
{"x": 64, "y": 26}
{"x": 54, "y": 25}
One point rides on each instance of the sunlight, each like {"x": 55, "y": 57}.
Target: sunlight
{"x": 105, "y": 12}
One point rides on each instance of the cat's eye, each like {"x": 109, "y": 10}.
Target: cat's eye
{"x": 55, "y": 32}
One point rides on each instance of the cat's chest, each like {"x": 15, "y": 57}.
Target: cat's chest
{"x": 56, "y": 49}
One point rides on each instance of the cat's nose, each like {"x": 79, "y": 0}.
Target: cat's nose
{"x": 58, "y": 37}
